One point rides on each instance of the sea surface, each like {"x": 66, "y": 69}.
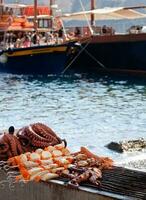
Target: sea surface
{"x": 87, "y": 111}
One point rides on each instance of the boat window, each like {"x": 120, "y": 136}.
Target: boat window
{"x": 49, "y": 23}
{"x": 40, "y": 23}
{"x": 45, "y": 23}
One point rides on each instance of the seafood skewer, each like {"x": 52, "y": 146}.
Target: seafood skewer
{"x": 42, "y": 164}
{"x": 55, "y": 161}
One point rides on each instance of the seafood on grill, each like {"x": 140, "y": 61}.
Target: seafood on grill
{"x": 27, "y": 139}
{"x": 42, "y": 164}
{"x": 57, "y": 161}
{"x": 103, "y": 162}
{"x": 87, "y": 167}
{"x": 91, "y": 175}
{"x": 10, "y": 146}
{"x": 37, "y": 153}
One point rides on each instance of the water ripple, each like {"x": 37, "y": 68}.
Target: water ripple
{"x": 86, "y": 111}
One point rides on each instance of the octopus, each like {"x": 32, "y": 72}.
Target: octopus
{"x": 27, "y": 139}
{"x": 38, "y": 135}
{"x": 79, "y": 175}
{"x": 10, "y": 146}
{"x": 91, "y": 175}
{"x": 39, "y": 154}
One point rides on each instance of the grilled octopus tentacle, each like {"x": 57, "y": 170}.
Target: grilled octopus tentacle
{"x": 28, "y": 138}
{"x": 12, "y": 145}
{"x": 45, "y": 131}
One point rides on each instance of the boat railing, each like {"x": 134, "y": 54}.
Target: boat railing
{"x": 137, "y": 29}
{"x": 97, "y": 30}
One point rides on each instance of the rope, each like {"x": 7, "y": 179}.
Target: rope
{"x": 75, "y": 58}
{"x": 4, "y": 40}
{"x": 91, "y": 30}
{"x": 97, "y": 61}
{"x": 64, "y": 30}
{"x": 89, "y": 54}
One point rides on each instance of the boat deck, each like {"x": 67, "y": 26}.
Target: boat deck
{"x": 118, "y": 183}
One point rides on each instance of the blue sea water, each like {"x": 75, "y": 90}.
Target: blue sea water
{"x": 87, "y": 111}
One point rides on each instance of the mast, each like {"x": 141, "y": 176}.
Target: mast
{"x": 92, "y": 15}
{"x": 35, "y": 15}
{"x": 52, "y": 2}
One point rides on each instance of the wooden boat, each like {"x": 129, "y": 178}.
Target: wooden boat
{"x": 39, "y": 58}
{"x": 48, "y": 59}
{"x": 107, "y": 50}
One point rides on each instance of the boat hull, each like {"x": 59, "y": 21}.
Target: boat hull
{"x": 114, "y": 53}
{"x": 35, "y": 60}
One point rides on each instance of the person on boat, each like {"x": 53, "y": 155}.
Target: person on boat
{"x": 11, "y": 12}
{"x": 56, "y": 38}
{"x": 9, "y": 40}
{"x": 6, "y": 11}
{"x": 19, "y": 40}
{"x": 104, "y": 29}
{"x": 70, "y": 36}
{"x": 77, "y": 32}
{"x": 108, "y": 30}
{"x": 20, "y": 35}
{"x": 35, "y": 39}
{"x": 60, "y": 32}
{"x": 18, "y": 43}
{"x": 48, "y": 37}
{"x": 60, "y": 35}
{"x": 143, "y": 29}
{"x": 42, "y": 39}
{"x": 27, "y": 41}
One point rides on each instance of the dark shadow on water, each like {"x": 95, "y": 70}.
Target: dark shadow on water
{"x": 92, "y": 77}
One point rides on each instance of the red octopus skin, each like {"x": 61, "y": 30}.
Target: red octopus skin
{"x": 12, "y": 143}
{"x": 5, "y": 147}
{"x": 28, "y": 138}
{"x": 39, "y": 135}
{"x": 44, "y": 131}
{"x": 32, "y": 135}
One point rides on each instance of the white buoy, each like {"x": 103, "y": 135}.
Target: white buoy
{"x": 3, "y": 58}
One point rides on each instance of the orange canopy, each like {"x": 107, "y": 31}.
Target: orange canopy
{"x": 41, "y": 10}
